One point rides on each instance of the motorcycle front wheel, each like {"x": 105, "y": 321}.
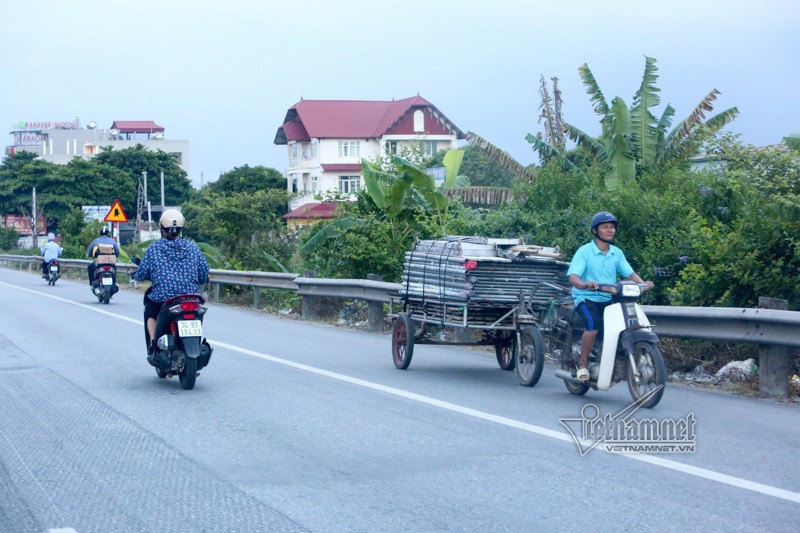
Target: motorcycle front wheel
{"x": 652, "y": 374}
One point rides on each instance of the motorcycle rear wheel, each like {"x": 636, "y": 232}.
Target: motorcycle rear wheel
{"x": 106, "y": 296}
{"x": 578, "y": 389}
{"x": 160, "y": 373}
{"x": 650, "y": 364}
{"x": 188, "y": 375}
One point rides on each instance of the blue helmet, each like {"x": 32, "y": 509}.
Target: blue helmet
{"x": 602, "y": 217}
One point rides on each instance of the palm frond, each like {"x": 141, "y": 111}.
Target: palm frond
{"x": 502, "y": 158}
{"x": 584, "y": 139}
{"x": 593, "y": 90}
{"x": 482, "y": 195}
{"x": 695, "y": 118}
{"x": 621, "y": 161}
{"x": 644, "y": 128}
{"x": 332, "y": 230}
{"x": 793, "y": 140}
{"x": 546, "y": 152}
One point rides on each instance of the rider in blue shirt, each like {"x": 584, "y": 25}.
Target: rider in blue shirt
{"x": 594, "y": 263}
{"x": 174, "y": 265}
{"x": 50, "y": 250}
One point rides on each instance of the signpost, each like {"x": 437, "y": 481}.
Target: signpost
{"x": 116, "y": 215}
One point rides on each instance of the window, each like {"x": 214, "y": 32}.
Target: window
{"x": 348, "y": 148}
{"x": 349, "y": 184}
{"x": 314, "y": 184}
{"x": 293, "y": 155}
{"x": 419, "y": 120}
{"x": 391, "y": 147}
{"x": 294, "y": 182}
{"x": 429, "y": 148}
{"x": 305, "y": 151}
{"x": 314, "y": 148}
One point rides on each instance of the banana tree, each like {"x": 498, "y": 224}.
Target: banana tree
{"x": 633, "y": 140}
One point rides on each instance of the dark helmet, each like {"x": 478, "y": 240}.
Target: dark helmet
{"x": 104, "y": 231}
{"x": 602, "y": 217}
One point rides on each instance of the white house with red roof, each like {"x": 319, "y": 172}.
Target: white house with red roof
{"x": 327, "y": 139}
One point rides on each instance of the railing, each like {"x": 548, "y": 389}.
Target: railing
{"x": 775, "y": 331}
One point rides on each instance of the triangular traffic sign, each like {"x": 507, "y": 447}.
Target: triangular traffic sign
{"x": 116, "y": 214}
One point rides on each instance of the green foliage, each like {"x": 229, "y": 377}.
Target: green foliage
{"x": 246, "y": 179}
{"x": 8, "y": 239}
{"x": 133, "y": 161}
{"x": 633, "y": 141}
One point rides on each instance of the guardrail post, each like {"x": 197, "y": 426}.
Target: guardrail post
{"x": 375, "y": 309}
{"x": 216, "y": 292}
{"x": 310, "y": 304}
{"x": 256, "y": 297}
{"x": 773, "y": 360}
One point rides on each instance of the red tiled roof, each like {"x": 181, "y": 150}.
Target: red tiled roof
{"x": 346, "y": 119}
{"x": 342, "y": 167}
{"x": 136, "y": 126}
{"x": 319, "y": 210}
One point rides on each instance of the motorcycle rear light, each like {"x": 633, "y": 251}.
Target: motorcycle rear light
{"x": 188, "y": 317}
{"x": 189, "y": 306}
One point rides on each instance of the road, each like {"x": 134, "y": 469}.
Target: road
{"x": 299, "y": 426}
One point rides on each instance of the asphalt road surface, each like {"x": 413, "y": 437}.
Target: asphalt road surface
{"x": 299, "y": 426}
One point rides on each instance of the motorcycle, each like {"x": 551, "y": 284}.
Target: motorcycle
{"x": 626, "y": 348}
{"x": 103, "y": 286}
{"x": 180, "y": 347}
{"x": 52, "y": 272}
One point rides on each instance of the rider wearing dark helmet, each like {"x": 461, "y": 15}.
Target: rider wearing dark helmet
{"x": 596, "y": 262}
{"x": 98, "y": 247}
{"x": 174, "y": 265}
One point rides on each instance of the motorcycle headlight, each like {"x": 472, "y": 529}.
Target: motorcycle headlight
{"x": 631, "y": 291}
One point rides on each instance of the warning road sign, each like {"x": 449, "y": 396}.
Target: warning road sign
{"x": 116, "y": 214}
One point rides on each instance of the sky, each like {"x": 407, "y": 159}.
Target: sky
{"x": 222, "y": 75}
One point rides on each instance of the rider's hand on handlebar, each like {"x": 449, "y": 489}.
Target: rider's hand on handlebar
{"x": 591, "y": 286}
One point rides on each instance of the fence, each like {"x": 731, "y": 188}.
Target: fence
{"x": 775, "y": 331}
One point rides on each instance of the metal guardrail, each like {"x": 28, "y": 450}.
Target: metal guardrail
{"x": 774, "y": 331}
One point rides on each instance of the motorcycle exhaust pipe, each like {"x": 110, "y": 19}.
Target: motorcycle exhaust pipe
{"x": 566, "y": 375}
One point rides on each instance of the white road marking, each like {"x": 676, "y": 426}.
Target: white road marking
{"x": 530, "y": 428}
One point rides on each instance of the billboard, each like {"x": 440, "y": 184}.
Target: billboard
{"x": 22, "y": 225}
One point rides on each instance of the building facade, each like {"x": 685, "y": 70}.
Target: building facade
{"x": 60, "y": 142}
{"x": 326, "y": 141}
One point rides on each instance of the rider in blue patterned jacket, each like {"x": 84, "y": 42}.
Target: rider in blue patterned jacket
{"x": 174, "y": 265}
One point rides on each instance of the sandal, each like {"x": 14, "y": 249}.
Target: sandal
{"x": 583, "y": 374}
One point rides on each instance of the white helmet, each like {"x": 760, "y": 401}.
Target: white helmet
{"x": 172, "y": 218}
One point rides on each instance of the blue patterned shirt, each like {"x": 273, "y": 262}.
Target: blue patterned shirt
{"x": 175, "y": 267}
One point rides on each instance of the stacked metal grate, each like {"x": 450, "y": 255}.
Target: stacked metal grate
{"x": 486, "y": 275}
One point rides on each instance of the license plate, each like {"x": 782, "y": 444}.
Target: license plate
{"x": 54, "y": 269}
{"x": 190, "y": 328}
{"x": 107, "y": 281}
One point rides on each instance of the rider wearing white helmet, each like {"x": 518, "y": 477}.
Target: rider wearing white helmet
{"x": 173, "y": 264}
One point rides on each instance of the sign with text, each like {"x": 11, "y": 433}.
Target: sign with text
{"x": 22, "y": 225}
{"x": 95, "y": 212}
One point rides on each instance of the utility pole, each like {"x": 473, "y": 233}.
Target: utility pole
{"x": 34, "y": 226}
{"x": 162, "y": 191}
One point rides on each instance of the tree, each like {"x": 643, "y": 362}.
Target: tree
{"x": 247, "y": 179}
{"x": 633, "y": 140}
{"x": 135, "y": 160}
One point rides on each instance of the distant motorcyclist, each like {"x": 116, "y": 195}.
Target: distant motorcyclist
{"x": 50, "y": 250}
{"x": 174, "y": 265}
{"x": 98, "y": 247}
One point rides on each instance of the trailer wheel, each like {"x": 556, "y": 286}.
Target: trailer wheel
{"x": 505, "y": 348}
{"x": 529, "y": 355}
{"x": 402, "y": 341}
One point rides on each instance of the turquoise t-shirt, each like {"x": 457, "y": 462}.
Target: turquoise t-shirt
{"x": 591, "y": 264}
